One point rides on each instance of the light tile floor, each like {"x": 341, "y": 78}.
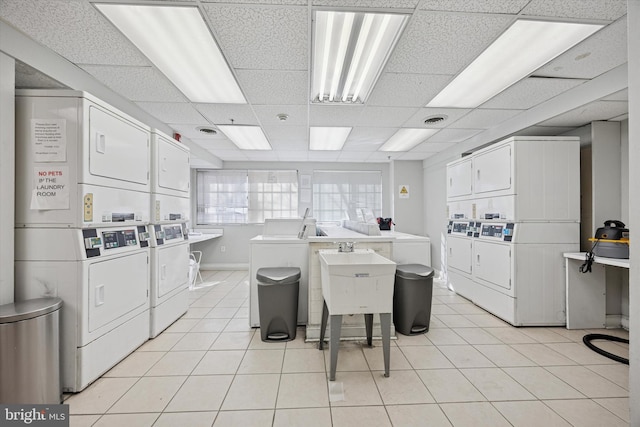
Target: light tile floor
{"x": 471, "y": 369}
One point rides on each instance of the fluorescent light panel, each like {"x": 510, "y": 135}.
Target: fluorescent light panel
{"x": 328, "y": 138}
{"x": 178, "y": 42}
{"x": 518, "y": 52}
{"x": 407, "y": 138}
{"x": 349, "y": 51}
{"x": 246, "y": 137}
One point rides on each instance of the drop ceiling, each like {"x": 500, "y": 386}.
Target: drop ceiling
{"x": 267, "y": 44}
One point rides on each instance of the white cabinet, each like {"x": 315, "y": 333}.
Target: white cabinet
{"x": 170, "y": 166}
{"x": 459, "y": 253}
{"x": 459, "y": 179}
{"x": 492, "y": 170}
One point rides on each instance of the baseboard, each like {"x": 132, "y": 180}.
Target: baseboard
{"x": 224, "y": 266}
{"x": 625, "y": 322}
{"x": 614, "y": 321}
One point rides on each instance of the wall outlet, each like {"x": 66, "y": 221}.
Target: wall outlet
{"x": 223, "y": 249}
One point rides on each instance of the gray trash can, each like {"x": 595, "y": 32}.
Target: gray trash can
{"x": 412, "y": 294}
{"x": 278, "y": 289}
{"x": 30, "y": 352}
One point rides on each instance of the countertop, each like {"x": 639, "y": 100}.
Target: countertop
{"x": 337, "y": 234}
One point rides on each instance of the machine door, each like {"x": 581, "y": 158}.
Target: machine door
{"x": 117, "y": 286}
{"x": 459, "y": 253}
{"x": 173, "y": 167}
{"x": 492, "y": 263}
{"x": 117, "y": 149}
{"x": 459, "y": 179}
{"x": 172, "y": 269}
{"x": 492, "y": 170}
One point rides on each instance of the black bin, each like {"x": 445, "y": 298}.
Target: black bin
{"x": 278, "y": 289}
{"x": 413, "y": 291}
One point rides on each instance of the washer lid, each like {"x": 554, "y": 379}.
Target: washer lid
{"x": 28, "y": 309}
{"x": 278, "y": 275}
{"x": 414, "y": 271}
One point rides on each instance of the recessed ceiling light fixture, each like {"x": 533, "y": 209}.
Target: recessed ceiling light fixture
{"x": 519, "y": 51}
{"x": 328, "y": 138}
{"x": 246, "y": 137}
{"x": 349, "y": 51}
{"x": 282, "y": 117}
{"x": 407, "y": 138}
{"x": 177, "y": 41}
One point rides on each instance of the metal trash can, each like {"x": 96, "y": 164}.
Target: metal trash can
{"x": 412, "y": 294}
{"x": 30, "y": 352}
{"x": 278, "y": 289}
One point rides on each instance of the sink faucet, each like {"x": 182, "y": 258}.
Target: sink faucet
{"x": 345, "y": 246}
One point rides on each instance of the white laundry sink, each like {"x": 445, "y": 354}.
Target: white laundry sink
{"x": 357, "y": 282}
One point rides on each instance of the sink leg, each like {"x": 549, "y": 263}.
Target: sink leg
{"x": 336, "y": 326}
{"x": 385, "y": 326}
{"x": 323, "y": 324}
{"x": 368, "y": 322}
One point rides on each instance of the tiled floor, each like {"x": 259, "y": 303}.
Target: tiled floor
{"x": 470, "y": 369}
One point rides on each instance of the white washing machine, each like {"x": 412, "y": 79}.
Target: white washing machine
{"x": 169, "y": 275}
{"x": 102, "y": 276}
{"x": 170, "y": 206}
{"x": 459, "y": 257}
{"x": 518, "y": 269}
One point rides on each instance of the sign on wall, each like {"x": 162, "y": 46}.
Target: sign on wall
{"x": 403, "y": 191}
{"x": 50, "y": 188}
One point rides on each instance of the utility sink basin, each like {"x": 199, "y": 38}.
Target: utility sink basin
{"x": 357, "y": 282}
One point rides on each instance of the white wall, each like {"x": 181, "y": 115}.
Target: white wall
{"x": 7, "y": 176}
{"x": 633, "y": 46}
{"x": 408, "y": 213}
{"x": 236, "y": 237}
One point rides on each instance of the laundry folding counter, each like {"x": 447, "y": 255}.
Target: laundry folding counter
{"x": 586, "y": 292}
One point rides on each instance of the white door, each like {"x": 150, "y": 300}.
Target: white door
{"x": 492, "y": 170}
{"x": 459, "y": 253}
{"x": 459, "y": 179}
{"x": 492, "y": 263}
{"x": 173, "y": 166}
{"x": 117, "y": 149}
{"x": 173, "y": 268}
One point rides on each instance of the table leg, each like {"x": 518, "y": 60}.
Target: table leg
{"x": 323, "y": 324}
{"x": 336, "y": 326}
{"x": 368, "y": 322}
{"x": 385, "y": 327}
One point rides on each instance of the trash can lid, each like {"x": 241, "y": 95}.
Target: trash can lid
{"x": 278, "y": 275}
{"x": 414, "y": 271}
{"x": 28, "y": 309}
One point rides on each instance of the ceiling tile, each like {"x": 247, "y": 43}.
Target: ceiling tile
{"x": 353, "y": 156}
{"x": 172, "y": 112}
{"x": 406, "y": 90}
{"x": 622, "y": 95}
{"x": 334, "y": 115}
{"x": 601, "y": 110}
{"x": 586, "y": 9}
{"x": 402, "y": 4}
{"x": 280, "y": 2}
{"x": 432, "y": 147}
{"x": 74, "y": 29}
{"x": 414, "y": 155}
{"x": 531, "y": 92}
{"x": 225, "y": 114}
{"x": 138, "y": 83}
{"x": 601, "y": 52}
{"x": 383, "y": 156}
{"x": 28, "y": 77}
{"x": 268, "y": 115}
{"x": 271, "y": 87}
{"x": 367, "y": 138}
{"x": 323, "y": 156}
{"x": 215, "y": 144}
{"x": 443, "y": 43}
{"x": 483, "y": 119}
{"x": 385, "y": 116}
{"x": 230, "y": 155}
{"x": 293, "y": 156}
{"x": 476, "y": 6}
{"x": 452, "y": 114}
{"x": 261, "y": 37}
{"x": 453, "y": 135}
{"x": 291, "y": 136}
{"x": 261, "y": 155}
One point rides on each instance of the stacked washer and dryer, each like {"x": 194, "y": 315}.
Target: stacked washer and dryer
{"x": 514, "y": 209}
{"x": 170, "y": 180}
{"x": 83, "y": 204}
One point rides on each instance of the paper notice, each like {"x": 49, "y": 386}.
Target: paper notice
{"x": 49, "y": 140}
{"x": 50, "y": 188}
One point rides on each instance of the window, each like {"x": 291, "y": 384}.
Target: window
{"x": 242, "y": 196}
{"x": 341, "y": 195}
